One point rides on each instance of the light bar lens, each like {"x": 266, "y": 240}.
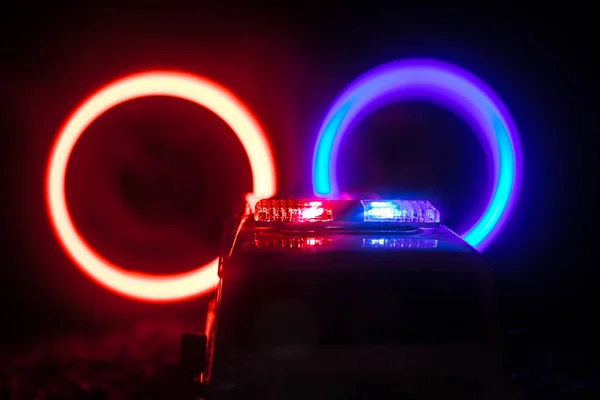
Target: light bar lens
{"x": 292, "y": 211}
{"x": 404, "y": 243}
{"x": 399, "y": 212}
{"x": 412, "y": 211}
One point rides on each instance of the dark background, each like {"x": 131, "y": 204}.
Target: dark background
{"x": 151, "y": 180}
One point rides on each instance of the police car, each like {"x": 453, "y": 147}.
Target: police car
{"x": 348, "y": 299}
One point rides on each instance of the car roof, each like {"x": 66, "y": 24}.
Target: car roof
{"x": 251, "y": 239}
{"x": 260, "y": 249}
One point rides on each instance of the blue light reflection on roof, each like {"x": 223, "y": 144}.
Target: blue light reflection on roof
{"x": 357, "y": 242}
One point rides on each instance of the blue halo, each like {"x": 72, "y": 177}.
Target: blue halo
{"x": 446, "y": 85}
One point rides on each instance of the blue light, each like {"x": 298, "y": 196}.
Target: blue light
{"x": 400, "y": 243}
{"x": 408, "y": 211}
{"x": 380, "y": 204}
{"x": 381, "y": 210}
{"x": 478, "y": 236}
{"x": 446, "y": 85}
{"x": 322, "y": 159}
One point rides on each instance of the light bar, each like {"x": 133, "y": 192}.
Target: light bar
{"x": 292, "y": 211}
{"x": 346, "y": 213}
{"x": 411, "y": 211}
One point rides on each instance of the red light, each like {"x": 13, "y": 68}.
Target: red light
{"x": 314, "y": 211}
{"x": 291, "y": 243}
{"x": 210, "y": 317}
{"x": 196, "y": 89}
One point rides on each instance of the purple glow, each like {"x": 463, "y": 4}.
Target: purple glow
{"x": 448, "y": 86}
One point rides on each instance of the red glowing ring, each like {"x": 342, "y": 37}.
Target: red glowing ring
{"x": 157, "y": 288}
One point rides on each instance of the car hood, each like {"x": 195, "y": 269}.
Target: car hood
{"x": 466, "y": 360}
{"x": 466, "y": 370}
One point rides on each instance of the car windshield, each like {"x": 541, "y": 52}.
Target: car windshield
{"x": 358, "y": 307}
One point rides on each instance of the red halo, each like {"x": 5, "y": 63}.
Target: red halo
{"x": 156, "y": 288}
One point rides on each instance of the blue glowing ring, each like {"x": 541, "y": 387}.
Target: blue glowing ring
{"x": 445, "y": 85}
